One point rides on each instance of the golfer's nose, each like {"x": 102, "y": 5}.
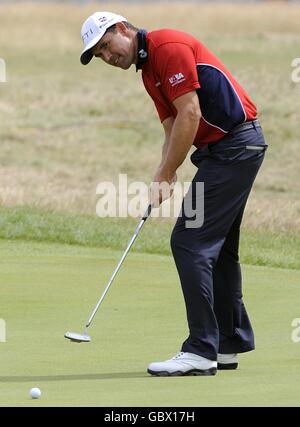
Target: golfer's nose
{"x": 107, "y": 57}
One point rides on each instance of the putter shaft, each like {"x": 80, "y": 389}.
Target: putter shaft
{"x": 136, "y": 232}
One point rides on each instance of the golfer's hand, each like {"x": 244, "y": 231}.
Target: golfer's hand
{"x": 161, "y": 189}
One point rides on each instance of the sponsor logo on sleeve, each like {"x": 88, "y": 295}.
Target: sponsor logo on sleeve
{"x": 177, "y": 78}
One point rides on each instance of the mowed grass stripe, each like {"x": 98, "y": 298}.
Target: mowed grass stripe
{"x": 47, "y": 289}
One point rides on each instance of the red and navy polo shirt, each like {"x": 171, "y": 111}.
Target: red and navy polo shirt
{"x": 174, "y": 63}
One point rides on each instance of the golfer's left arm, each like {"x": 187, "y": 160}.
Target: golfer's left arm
{"x": 182, "y": 136}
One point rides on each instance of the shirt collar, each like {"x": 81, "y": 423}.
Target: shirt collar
{"x": 142, "y": 49}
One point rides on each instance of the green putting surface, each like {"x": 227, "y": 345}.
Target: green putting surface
{"x": 48, "y": 289}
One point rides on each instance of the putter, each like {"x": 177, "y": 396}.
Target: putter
{"x": 84, "y": 337}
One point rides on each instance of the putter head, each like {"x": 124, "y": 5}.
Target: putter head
{"x": 74, "y": 337}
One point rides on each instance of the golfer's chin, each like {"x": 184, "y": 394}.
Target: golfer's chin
{"x": 124, "y": 66}
{"x": 124, "y": 62}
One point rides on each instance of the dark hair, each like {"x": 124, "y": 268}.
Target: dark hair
{"x": 127, "y": 25}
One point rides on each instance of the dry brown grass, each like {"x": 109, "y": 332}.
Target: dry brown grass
{"x": 65, "y": 127}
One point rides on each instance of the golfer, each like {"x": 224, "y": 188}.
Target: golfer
{"x": 199, "y": 103}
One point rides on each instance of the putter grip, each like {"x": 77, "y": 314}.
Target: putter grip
{"x": 147, "y": 213}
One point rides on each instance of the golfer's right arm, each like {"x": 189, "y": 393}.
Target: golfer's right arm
{"x": 168, "y": 125}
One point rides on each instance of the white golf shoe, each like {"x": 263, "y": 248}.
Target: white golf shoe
{"x": 227, "y": 361}
{"x": 183, "y": 364}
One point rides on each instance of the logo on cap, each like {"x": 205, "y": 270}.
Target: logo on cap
{"x": 87, "y": 34}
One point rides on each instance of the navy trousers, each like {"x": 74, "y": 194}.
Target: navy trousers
{"x": 207, "y": 257}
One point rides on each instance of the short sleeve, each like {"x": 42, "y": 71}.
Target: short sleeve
{"x": 164, "y": 111}
{"x": 177, "y": 69}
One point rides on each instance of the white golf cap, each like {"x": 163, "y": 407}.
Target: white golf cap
{"x": 94, "y": 29}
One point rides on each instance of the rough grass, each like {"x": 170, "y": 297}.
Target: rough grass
{"x": 258, "y": 248}
{"x": 65, "y": 127}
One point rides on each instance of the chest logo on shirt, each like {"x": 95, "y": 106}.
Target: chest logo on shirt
{"x": 177, "y": 78}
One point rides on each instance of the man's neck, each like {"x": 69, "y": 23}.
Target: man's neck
{"x": 135, "y": 45}
{"x": 142, "y": 53}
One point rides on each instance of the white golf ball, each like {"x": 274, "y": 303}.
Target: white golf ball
{"x": 35, "y": 393}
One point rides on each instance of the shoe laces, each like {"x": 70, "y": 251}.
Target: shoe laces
{"x": 178, "y": 355}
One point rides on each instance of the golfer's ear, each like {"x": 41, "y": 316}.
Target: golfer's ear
{"x": 121, "y": 27}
